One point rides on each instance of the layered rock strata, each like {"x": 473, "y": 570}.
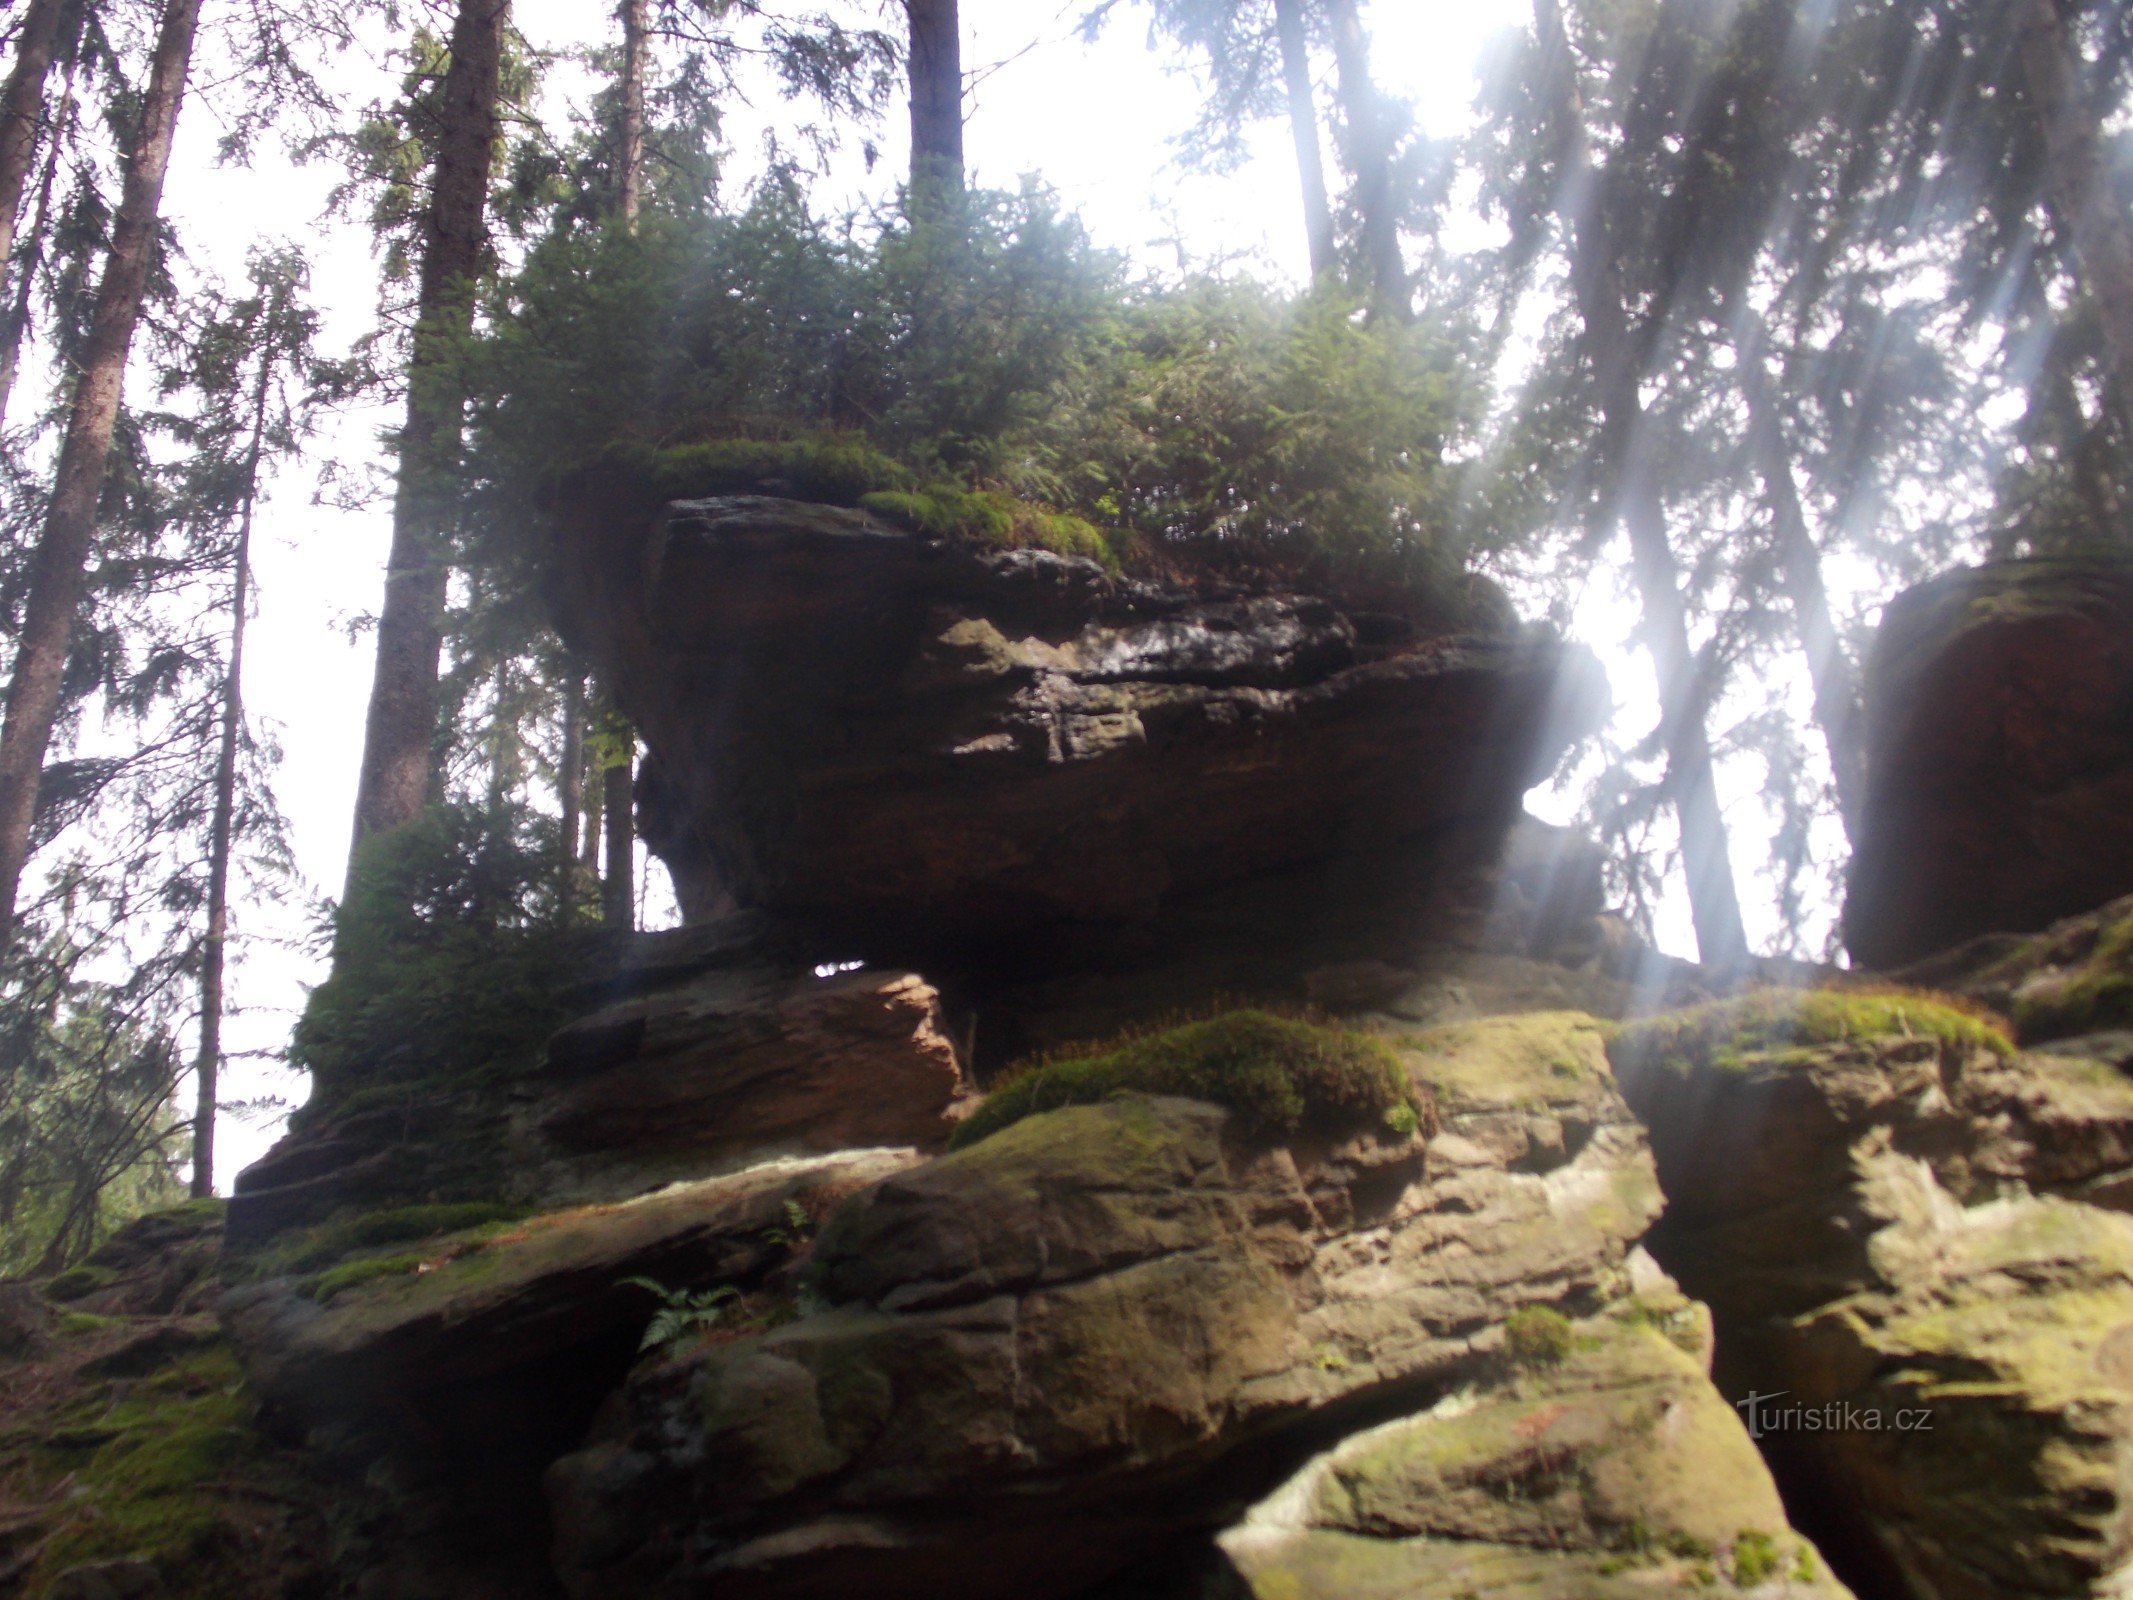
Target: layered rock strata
{"x": 908, "y": 750}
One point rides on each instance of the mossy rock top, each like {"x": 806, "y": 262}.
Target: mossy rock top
{"x": 1527, "y": 1061}
{"x": 1783, "y": 1027}
{"x": 1282, "y": 1076}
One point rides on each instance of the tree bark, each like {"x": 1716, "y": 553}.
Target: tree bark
{"x": 1638, "y": 505}
{"x": 2085, "y": 213}
{"x": 1837, "y": 705}
{"x": 594, "y": 801}
{"x": 935, "y": 63}
{"x": 400, "y": 731}
{"x": 618, "y": 889}
{"x": 629, "y": 188}
{"x": 570, "y": 787}
{"x": 1303, "y": 126}
{"x": 207, "y": 1068}
{"x": 1366, "y": 142}
{"x": 17, "y": 327}
{"x": 22, "y": 109}
{"x": 59, "y": 568}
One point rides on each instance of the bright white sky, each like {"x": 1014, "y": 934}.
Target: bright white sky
{"x": 1097, "y": 121}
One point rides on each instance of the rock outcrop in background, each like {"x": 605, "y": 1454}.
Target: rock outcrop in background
{"x": 1999, "y": 757}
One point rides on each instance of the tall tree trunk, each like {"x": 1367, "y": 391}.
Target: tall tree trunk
{"x": 22, "y": 109}
{"x": 17, "y": 326}
{"x": 1366, "y": 142}
{"x": 59, "y": 569}
{"x": 1303, "y": 126}
{"x": 629, "y": 196}
{"x": 936, "y": 67}
{"x": 400, "y": 732}
{"x": 618, "y": 889}
{"x": 1637, "y": 503}
{"x": 594, "y": 800}
{"x": 207, "y": 1069}
{"x": 2085, "y": 212}
{"x": 1836, "y": 681}
{"x": 570, "y": 787}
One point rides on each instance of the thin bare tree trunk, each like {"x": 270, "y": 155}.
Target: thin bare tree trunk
{"x": 1636, "y": 502}
{"x": 17, "y": 327}
{"x": 630, "y": 187}
{"x": 1837, "y": 706}
{"x": 207, "y": 1068}
{"x": 936, "y": 71}
{"x": 22, "y": 109}
{"x": 1367, "y": 137}
{"x": 400, "y": 732}
{"x": 2085, "y": 212}
{"x": 618, "y": 889}
{"x": 1303, "y": 127}
{"x": 59, "y": 569}
{"x": 570, "y": 786}
{"x": 595, "y": 795}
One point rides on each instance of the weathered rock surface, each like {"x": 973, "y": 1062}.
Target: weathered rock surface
{"x": 1609, "y": 1470}
{"x": 702, "y": 1053}
{"x": 461, "y": 1330}
{"x": 2000, "y": 757}
{"x": 1895, "y": 1224}
{"x": 2069, "y": 988}
{"x": 905, "y": 748}
{"x": 1102, "y": 1332}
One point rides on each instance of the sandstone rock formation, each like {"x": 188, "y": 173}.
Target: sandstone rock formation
{"x": 700, "y": 1053}
{"x": 2000, "y": 757}
{"x": 1096, "y": 1335}
{"x": 1603, "y": 1469}
{"x": 908, "y": 749}
{"x": 1903, "y": 1228}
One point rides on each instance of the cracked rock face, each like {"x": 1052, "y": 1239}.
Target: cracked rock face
{"x": 1099, "y": 1335}
{"x": 903, "y": 746}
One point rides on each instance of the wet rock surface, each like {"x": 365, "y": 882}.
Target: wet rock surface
{"x": 911, "y": 750}
{"x": 1999, "y": 754}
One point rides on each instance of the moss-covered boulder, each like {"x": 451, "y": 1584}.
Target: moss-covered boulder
{"x": 1093, "y": 1335}
{"x": 468, "y": 1348}
{"x": 1900, "y": 1223}
{"x": 1599, "y": 1465}
{"x": 2069, "y": 987}
{"x": 1984, "y": 1384}
{"x": 2001, "y": 752}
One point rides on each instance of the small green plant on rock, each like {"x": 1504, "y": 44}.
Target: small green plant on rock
{"x": 1536, "y": 1337}
{"x": 1755, "y": 1559}
{"x": 683, "y": 1312}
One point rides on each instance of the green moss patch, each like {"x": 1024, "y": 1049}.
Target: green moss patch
{"x": 148, "y": 1467}
{"x": 1732, "y": 1034}
{"x": 347, "y": 1250}
{"x": 2094, "y": 994}
{"x": 987, "y": 516}
{"x": 1282, "y": 1075}
{"x": 837, "y": 471}
{"x": 79, "y": 1282}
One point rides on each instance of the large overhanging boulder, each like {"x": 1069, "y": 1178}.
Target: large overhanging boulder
{"x": 2000, "y": 756}
{"x": 896, "y": 743}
